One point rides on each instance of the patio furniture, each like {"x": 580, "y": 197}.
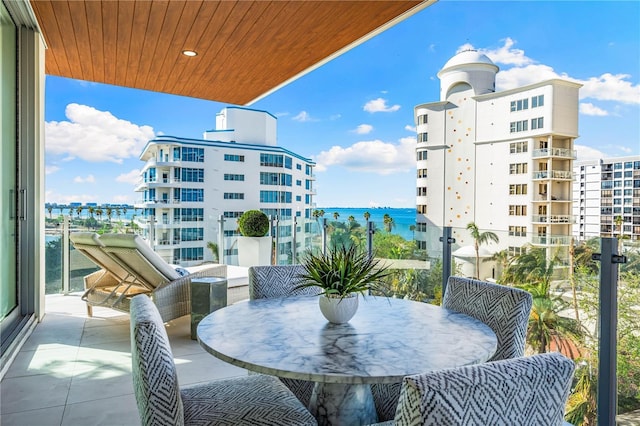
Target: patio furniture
{"x": 130, "y": 267}
{"x": 208, "y": 294}
{"x": 280, "y": 281}
{"x": 385, "y": 341}
{"x": 504, "y": 309}
{"x": 246, "y": 400}
{"x": 525, "y": 391}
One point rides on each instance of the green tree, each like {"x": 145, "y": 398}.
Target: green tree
{"x": 388, "y": 222}
{"x": 79, "y": 211}
{"x": 91, "y": 211}
{"x": 109, "y": 213}
{"x": 98, "y": 213}
{"x": 366, "y": 215}
{"x": 49, "y": 209}
{"x": 336, "y": 215}
{"x": 214, "y": 250}
{"x": 480, "y": 238}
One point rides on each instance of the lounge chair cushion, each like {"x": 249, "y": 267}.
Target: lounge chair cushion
{"x": 160, "y": 272}
{"x": 89, "y": 244}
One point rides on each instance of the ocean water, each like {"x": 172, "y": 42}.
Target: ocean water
{"x": 402, "y": 217}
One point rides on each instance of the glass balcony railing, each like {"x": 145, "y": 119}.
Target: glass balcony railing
{"x": 578, "y": 294}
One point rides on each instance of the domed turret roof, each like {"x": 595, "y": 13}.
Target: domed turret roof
{"x": 468, "y": 57}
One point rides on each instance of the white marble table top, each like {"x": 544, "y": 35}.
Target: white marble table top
{"x": 386, "y": 340}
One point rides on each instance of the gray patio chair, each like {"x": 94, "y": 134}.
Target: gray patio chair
{"x": 504, "y": 309}
{"x": 267, "y": 282}
{"x": 245, "y": 400}
{"x": 524, "y": 391}
{"x": 131, "y": 267}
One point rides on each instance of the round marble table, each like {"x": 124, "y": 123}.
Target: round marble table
{"x": 386, "y": 340}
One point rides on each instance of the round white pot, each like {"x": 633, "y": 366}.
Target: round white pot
{"x": 336, "y": 310}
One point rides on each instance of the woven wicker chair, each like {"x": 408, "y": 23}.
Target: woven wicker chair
{"x": 504, "y": 309}
{"x": 524, "y": 391}
{"x": 130, "y": 267}
{"x": 266, "y": 282}
{"x": 245, "y": 400}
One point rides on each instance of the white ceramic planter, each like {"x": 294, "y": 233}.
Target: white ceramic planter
{"x": 254, "y": 251}
{"x": 336, "y": 310}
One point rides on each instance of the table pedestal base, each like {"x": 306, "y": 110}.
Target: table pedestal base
{"x": 335, "y": 404}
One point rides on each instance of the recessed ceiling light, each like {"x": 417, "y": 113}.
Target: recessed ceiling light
{"x": 189, "y": 53}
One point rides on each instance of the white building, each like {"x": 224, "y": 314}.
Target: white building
{"x": 189, "y": 185}
{"x": 503, "y": 160}
{"x": 606, "y": 196}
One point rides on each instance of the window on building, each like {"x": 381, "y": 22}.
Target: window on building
{"x": 191, "y": 253}
{"x": 191, "y": 194}
{"x": 234, "y": 196}
{"x": 192, "y": 175}
{"x": 519, "y": 105}
{"x": 422, "y": 173}
{"x": 423, "y": 119}
{"x": 517, "y": 168}
{"x": 421, "y": 155}
{"x": 421, "y": 191}
{"x": 423, "y": 137}
{"x": 275, "y": 196}
{"x": 228, "y": 176}
{"x": 193, "y": 154}
{"x": 519, "y": 126}
{"x": 421, "y": 209}
{"x": 288, "y": 162}
{"x": 517, "y": 210}
{"x": 234, "y": 157}
{"x": 518, "y": 231}
{"x": 537, "y": 101}
{"x": 298, "y": 166}
{"x": 518, "y": 189}
{"x": 272, "y": 160}
{"x": 232, "y": 215}
{"x": 298, "y": 182}
{"x": 188, "y": 215}
{"x": 280, "y": 179}
{"x": 537, "y": 123}
{"x": 192, "y": 234}
{"x": 518, "y": 147}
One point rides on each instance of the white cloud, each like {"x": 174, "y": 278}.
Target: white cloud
{"x": 88, "y": 179}
{"x": 363, "y": 129}
{"x": 122, "y": 199}
{"x": 522, "y": 70}
{"x": 588, "y": 108}
{"x": 373, "y": 156}
{"x": 132, "y": 177}
{"x": 96, "y": 136}
{"x": 50, "y": 169}
{"x": 379, "y": 105}
{"x": 335, "y": 117}
{"x": 302, "y": 117}
{"x": 410, "y": 128}
{"x": 588, "y": 153}
{"x": 54, "y": 197}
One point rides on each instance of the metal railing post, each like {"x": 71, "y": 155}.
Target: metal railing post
{"x": 446, "y": 240}
{"x": 370, "y": 231}
{"x": 221, "y": 258}
{"x": 294, "y": 233}
{"x": 276, "y": 250}
{"x": 608, "y": 329}
{"x": 324, "y": 235}
{"x": 65, "y": 255}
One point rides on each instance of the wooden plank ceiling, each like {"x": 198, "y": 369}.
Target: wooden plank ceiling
{"x": 245, "y": 48}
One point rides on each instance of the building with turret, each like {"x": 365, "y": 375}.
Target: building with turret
{"x": 503, "y": 160}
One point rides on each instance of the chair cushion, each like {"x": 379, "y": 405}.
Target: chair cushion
{"x": 155, "y": 379}
{"x": 527, "y": 391}
{"x": 249, "y": 400}
{"x": 140, "y": 258}
{"x": 277, "y": 281}
{"x": 90, "y": 245}
{"x": 505, "y": 309}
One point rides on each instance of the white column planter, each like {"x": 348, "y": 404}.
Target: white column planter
{"x": 254, "y": 251}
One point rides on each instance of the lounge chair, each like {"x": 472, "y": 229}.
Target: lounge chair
{"x": 130, "y": 267}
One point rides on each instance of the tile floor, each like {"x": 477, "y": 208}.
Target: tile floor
{"x": 75, "y": 370}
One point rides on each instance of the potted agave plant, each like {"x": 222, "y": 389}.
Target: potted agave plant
{"x": 341, "y": 274}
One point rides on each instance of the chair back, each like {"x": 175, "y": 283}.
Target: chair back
{"x": 528, "y": 391}
{"x": 277, "y": 281}
{"x": 133, "y": 254}
{"x": 155, "y": 380}
{"x": 88, "y": 244}
{"x": 504, "y": 309}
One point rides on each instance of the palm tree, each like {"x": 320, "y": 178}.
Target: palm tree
{"x": 118, "y": 213}
{"x": 366, "y": 215}
{"x": 109, "y": 213}
{"x": 98, "y": 212}
{"x": 49, "y": 209}
{"x": 412, "y": 228}
{"x": 547, "y": 326}
{"x": 351, "y": 218}
{"x": 388, "y": 222}
{"x": 214, "y": 250}
{"x": 618, "y": 221}
{"x": 480, "y": 238}
{"x": 79, "y": 210}
{"x": 502, "y": 257}
{"x": 91, "y": 211}
{"x": 336, "y": 215}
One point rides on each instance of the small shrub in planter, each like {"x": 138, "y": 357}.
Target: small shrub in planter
{"x": 253, "y": 223}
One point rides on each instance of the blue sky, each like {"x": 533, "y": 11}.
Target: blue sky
{"x": 354, "y": 115}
